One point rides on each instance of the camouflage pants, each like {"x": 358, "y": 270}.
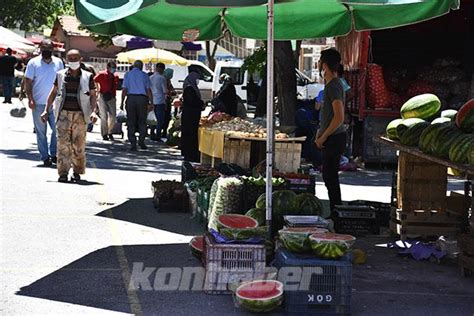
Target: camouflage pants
{"x": 71, "y": 132}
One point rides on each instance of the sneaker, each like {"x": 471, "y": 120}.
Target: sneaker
{"x": 133, "y": 148}
{"x": 76, "y": 176}
{"x": 54, "y": 160}
{"x": 62, "y": 179}
{"x": 105, "y": 137}
{"x": 47, "y": 162}
{"x": 111, "y": 137}
{"x": 143, "y": 146}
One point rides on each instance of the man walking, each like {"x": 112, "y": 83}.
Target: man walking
{"x": 136, "y": 89}
{"x": 7, "y": 74}
{"x": 107, "y": 82}
{"x": 331, "y": 136}
{"x": 75, "y": 101}
{"x": 159, "y": 87}
{"x": 39, "y": 79}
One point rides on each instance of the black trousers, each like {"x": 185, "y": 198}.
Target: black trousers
{"x": 334, "y": 147}
{"x": 136, "y": 117}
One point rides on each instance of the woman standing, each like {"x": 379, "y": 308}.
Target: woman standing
{"x": 191, "y": 113}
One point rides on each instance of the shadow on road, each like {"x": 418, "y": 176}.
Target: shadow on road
{"x": 142, "y": 212}
{"x": 101, "y": 279}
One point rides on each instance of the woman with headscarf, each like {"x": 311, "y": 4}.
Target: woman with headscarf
{"x": 226, "y": 98}
{"x": 191, "y": 113}
{"x": 168, "y": 74}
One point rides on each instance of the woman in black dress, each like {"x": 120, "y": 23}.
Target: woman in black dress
{"x": 191, "y": 113}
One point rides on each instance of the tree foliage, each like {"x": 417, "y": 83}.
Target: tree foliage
{"x": 255, "y": 63}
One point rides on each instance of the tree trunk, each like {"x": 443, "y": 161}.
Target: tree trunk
{"x": 261, "y": 108}
{"x": 210, "y": 56}
{"x": 286, "y": 81}
{"x": 297, "y": 53}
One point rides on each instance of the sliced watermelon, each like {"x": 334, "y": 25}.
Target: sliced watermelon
{"x": 197, "y": 245}
{"x": 296, "y": 239}
{"x": 236, "y": 221}
{"x": 260, "y": 296}
{"x": 330, "y": 245}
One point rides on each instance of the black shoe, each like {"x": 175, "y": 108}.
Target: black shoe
{"x": 133, "y": 148}
{"x": 62, "y": 179}
{"x": 47, "y": 162}
{"x": 4, "y": 102}
{"x": 111, "y": 137}
{"x": 76, "y": 176}
{"x": 143, "y": 146}
{"x": 54, "y": 160}
{"x": 105, "y": 137}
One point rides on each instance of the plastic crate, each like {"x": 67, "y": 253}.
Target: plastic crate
{"x": 202, "y": 205}
{"x": 303, "y": 184}
{"x": 325, "y": 286}
{"x": 357, "y": 220}
{"x": 226, "y": 264}
{"x": 382, "y": 210}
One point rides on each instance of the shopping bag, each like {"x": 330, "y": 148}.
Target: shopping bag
{"x": 151, "y": 119}
{"x": 19, "y": 110}
{"x": 121, "y": 117}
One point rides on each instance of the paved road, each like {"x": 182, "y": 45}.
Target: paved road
{"x": 69, "y": 249}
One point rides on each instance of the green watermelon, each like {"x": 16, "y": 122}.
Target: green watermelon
{"x": 441, "y": 120}
{"x": 261, "y": 202}
{"x": 260, "y": 296}
{"x": 259, "y": 214}
{"x": 391, "y": 130}
{"x": 284, "y": 202}
{"x": 309, "y": 204}
{"x": 330, "y": 245}
{"x": 197, "y": 245}
{"x": 411, "y": 137}
{"x": 465, "y": 117}
{"x": 470, "y": 155}
{"x": 429, "y": 135}
{"x": 422, "y": 106}
{"x": 244, "y": 233}
{"x": 296, "y": 239}
{"x": 236, "y": 221}
{"x": 405, "y": 124}
{"x": 460, "y": 148}
{"x": 445, "y": 138}
{"x": 451, "y": 114}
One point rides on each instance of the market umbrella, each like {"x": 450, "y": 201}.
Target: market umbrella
{"x": 152, "y": 55}
{"x": 297, "y": 19}
{"x": 14, "y": 41}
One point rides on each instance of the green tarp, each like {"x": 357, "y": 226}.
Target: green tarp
{"x": 298, "y": 19}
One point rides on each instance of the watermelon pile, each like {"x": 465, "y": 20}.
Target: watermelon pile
{"x": 260, "y": 296}
{"x": 450, "y": 136}
{"x": 329, "y": 245}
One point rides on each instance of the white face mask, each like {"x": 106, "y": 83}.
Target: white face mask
{"x": 74, "y": 65}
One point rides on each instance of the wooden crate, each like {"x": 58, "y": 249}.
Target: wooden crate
{"x": 466, "y": 258}
{"x": 237, "y": 151}
{"x": 421, "y": 184}
{"x": 209, "y": 160}
{"x": 287, "y": 156}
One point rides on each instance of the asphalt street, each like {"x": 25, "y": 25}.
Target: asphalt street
{"x": 69, "y": 249}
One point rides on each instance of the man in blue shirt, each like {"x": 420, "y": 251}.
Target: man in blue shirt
{"x": 136, "y": 89}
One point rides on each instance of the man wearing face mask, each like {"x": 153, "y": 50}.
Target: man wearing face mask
{"x": 107, "y": 82}
{"x": 75, "y": 99}
{"x": 39, "y": 79}
{"x": 331, "y": 136}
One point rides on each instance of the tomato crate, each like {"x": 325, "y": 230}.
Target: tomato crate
{"x": 202, "y": 205}
{"x": 228, "y": 264}
{"x": 325, "y": 286}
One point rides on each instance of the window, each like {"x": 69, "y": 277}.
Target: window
{"x": 203, "y": 73}
{"x": 235, "y": 73}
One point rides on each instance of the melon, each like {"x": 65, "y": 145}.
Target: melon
{"x": 391, "y": 129}
{"x": 441, "y": 120}
{"x": 260, "y": 296}
{"x": 244, "y": 233}
{"x": 259, "y": 214}
{"x": 451, "y": 114}
{"x": 296, "y": 239}
{"x": 236, "y": 221}
{"x": 445, "y": 138}
{"x": 284, "y": 202}
{"x": 404, "y": 125}
{"x": 411, "y": 137}
{"x": 197, "y": 245}
{"x": 465, "y": 117}
{"x": 422, "y": 106}
{"x": 460, "y": 148}
{"x": 470, "y": 155}
{"x": 330, "y": 245}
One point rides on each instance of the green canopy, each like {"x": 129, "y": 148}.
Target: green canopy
{"x": 298, "y": 19}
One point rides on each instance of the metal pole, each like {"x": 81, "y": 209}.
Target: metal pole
{"x": 270, "y": 136}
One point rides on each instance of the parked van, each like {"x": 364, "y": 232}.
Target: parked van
{"x": 180, "y": 73}
{"x": 247, "y": 86}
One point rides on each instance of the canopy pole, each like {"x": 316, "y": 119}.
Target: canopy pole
{"x": 270, "y": 136}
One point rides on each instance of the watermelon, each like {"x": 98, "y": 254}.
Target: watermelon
{"x": 445, "y": 138}
{"x": 309, "y": 204}
{"x": 441, "y": 120}
{"x": 450, "y": 114}
{"x": 330, "y": 245}
{"x": 465, "y": 117}
{"x": 243, "y": 233}
{"x": 460, "y": 148}
{"x": 405, "y": 124}
{"x": 470, "y": 155}
{"x": 391, "y": 130}
{"x": 197, "y": 245}
{"x": 259, "y": 214}
{"x": 429, "y": 135}
{"x": 260, "y": 296}
{"x": 236, "y": 221}
{"x": 411, "y": 137}
{"x": 296, "y": 239}
{"x": 422, "y": 106}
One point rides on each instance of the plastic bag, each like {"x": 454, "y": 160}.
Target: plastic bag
{"x": 151, "y": 119}
{"x": 19, "y": 110}
{"x": 121, "y": 117}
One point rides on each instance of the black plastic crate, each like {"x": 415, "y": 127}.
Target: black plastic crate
{"x": 382, "y": 210}
{"x": 301, "y": 185}
{"x": 325, "y": 286}
{"x": 357, "y": 220}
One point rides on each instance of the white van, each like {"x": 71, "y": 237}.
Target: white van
{"x": 247, "y": 86}
{"x": 180, "y": 73}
